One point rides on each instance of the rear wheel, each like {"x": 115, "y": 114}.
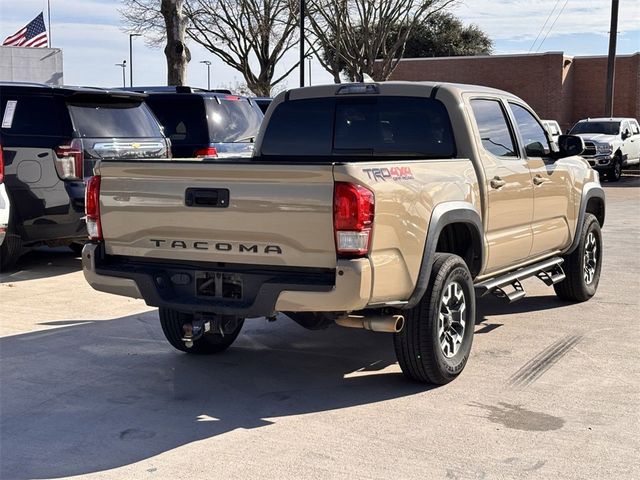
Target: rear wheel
{"x": 435, "y": 343}
{"x": 10, "y": 249}
{"x": 172, "y": 322}
{"x": 582, "y": 267}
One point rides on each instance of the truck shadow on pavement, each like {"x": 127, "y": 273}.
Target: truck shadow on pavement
{"x": 43, "y": 262}
{"x": 101, "y": 395}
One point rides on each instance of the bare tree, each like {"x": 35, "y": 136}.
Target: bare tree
{"x": 350, "y": 35}
{"x": 246, "y": 34}
{"x": 251, "y": 36}
{"x": 162, "y": 20}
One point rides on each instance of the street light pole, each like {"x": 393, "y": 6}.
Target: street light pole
{"x": 611, "y": 63}
{"x": 302, "y": 55}
{"x": 123, "y": 65}
{"x": 208, "y": 64}
{"x": 131, "y": 35}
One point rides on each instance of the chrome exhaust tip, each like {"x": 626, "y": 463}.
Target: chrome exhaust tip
{"x": 377, "y": 323}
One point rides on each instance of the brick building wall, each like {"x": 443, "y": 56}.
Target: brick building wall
{"x": 557, "y": 86}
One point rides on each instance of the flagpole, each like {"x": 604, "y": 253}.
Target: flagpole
{"x": 49, "y": 19}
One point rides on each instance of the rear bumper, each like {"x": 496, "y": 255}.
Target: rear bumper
{"x": 265, "y": 290}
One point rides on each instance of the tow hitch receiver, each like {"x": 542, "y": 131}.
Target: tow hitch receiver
{"x": 194, "y": 330}
{"x": 204, "y": 323}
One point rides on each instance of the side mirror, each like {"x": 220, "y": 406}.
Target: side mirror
{"x": 536, "y": 149}
{"x": 570, "y": 145}
{"x": 626, "y": 134}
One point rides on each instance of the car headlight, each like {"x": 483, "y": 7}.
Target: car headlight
{"x": 604, "y": 149}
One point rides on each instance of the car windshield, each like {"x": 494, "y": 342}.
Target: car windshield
{"x": 114, "y": 120}
{"x": 606, "y": 128}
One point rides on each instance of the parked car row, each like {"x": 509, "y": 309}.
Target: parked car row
{"x": 51, "y": 138}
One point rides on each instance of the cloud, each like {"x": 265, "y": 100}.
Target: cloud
{"x": 523, "y": 19}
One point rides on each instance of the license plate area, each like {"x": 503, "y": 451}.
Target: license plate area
{"x": 219, "y": 285}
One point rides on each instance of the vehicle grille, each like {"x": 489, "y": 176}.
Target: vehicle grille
{"x": 589, "y": 149}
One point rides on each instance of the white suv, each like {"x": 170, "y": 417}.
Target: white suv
{"x": 611, "y": 143}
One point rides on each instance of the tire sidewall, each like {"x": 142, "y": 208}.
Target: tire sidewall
{"x": 592, "y": 226}
{"x": 459, "y": 273}
{"x": 617, "y": 164}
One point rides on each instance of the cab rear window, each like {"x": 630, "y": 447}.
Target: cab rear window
{"x": 114, "y": 120}
{"x": 362, "y": 126}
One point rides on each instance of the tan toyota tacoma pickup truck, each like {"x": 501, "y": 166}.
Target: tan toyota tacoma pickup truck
{"x": 385, "y": 206}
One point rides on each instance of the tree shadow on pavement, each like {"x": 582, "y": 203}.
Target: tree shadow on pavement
{"x": 101, "y": 395}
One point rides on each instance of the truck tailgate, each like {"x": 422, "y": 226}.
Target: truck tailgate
{"x": 246, "y": 213}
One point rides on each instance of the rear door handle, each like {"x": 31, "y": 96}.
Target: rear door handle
{"x": 539, "y": 180}
{"x": 497, "y": 182}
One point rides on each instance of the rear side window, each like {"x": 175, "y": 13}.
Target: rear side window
{"x": 360, "y": 126}
{"x": 532, "y": 133}
{"x": 634, "y": 128}
{"x": 493, "y": 127}
{"x": 183, "y": 118}
{"x": 233, "y": 119}
{"x": 36, "y": 115}
{"x": 114, "y": 120}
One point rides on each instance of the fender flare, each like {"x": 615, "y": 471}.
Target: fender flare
{"x": 442, "y": 215}
{"x": 589, "y": 191}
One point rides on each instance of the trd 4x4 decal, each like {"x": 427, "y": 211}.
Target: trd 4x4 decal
{"x": 393, "y": 173}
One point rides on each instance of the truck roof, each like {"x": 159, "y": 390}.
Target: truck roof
{"x": 403, "y": 88}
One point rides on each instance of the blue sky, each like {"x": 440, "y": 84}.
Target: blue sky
{"x": 89, "y": 33}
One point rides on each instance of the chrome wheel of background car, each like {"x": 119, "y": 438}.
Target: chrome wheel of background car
{"x": 451, "y": 319}
{"x": 590, "y": 262}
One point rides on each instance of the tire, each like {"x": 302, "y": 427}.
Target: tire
{"x": 210, "y": 343}
{"x": 580, "y": 284}
{"x": 614, "y": 174}
{"x": 76, "y": 248}
{"x": 11, "y": 249}
{"x": 418, "y": 344}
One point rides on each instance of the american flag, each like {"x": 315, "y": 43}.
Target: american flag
{"x": 34, "y": 34}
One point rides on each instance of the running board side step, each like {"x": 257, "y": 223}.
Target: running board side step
{"x": 549, "y": 271}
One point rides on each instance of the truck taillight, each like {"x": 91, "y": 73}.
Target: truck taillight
{"x": 353, "y": 212}
{"x": 69, "y": 160}
{"x": 92, "y": 208}
{"x": 1, "y": 165}
{"x": 206, "y": 152}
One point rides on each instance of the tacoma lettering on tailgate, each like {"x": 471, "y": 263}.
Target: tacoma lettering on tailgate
{"x": 219, "y": 246}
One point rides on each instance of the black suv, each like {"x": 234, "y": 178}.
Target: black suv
{"x": 205, "y": 123}
{"x": 51, "y": 137}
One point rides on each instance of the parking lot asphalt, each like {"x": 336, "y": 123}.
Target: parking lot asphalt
{"x": 90, "y": 388}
